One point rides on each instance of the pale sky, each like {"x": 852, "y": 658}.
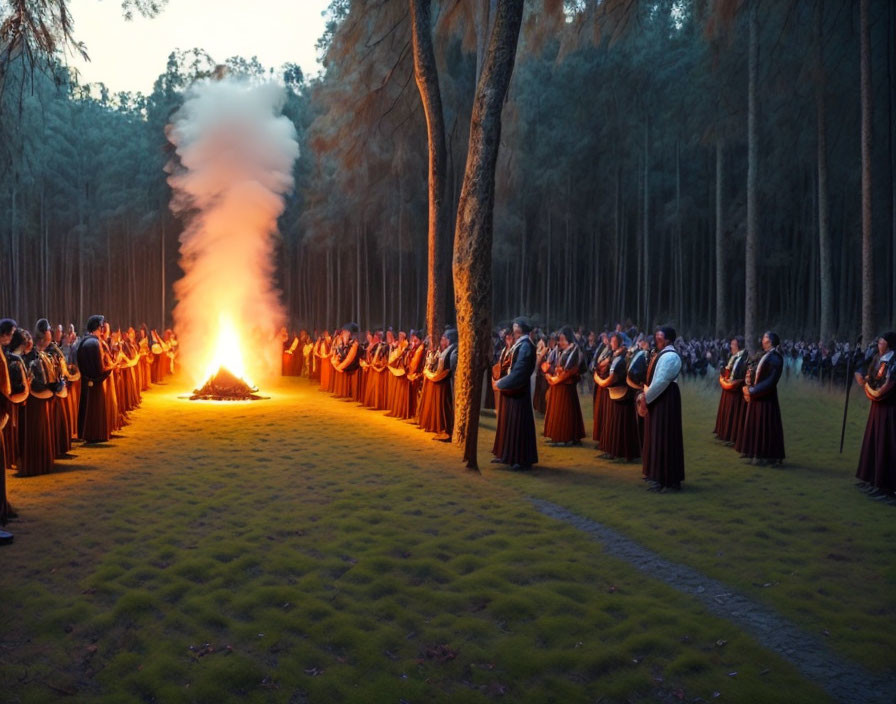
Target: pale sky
{"x": 131, "y": 55}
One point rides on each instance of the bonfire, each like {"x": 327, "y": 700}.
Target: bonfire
{"x": 225, "y": 386}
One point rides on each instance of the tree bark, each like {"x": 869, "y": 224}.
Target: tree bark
{"x": 473, "y": 230}
{"x": 426, "y": 76}
{"x": 752, "y": 245}
{"x": 867, "y": 263}
{"x": 826, "y": 276}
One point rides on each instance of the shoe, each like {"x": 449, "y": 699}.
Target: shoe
{"x": 5, "y": 537}
{"x": 497, "y": 460}
{"x": 521, "y": 467}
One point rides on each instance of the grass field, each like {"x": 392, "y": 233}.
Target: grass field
{"x": 301, "y": 549}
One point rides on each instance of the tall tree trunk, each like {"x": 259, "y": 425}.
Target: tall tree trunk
{"x": 427, "y": 77}
{"x": 826, "y": 283}
{"x": 721, "y": 262}
{"x": 867, "y": 263}
{"x": 473, "y": 231}
{"x": 646, "y": 251}
{"x": 752, "y": 246}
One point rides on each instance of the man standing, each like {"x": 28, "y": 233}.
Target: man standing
{"x": 515, "y": 435}
{"x": 93, "y": 421}
{"x": 660, "y": 405}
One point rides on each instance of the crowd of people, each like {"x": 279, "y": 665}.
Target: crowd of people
{"x": 58, "y": 388}
{"x": 631, "y": 377}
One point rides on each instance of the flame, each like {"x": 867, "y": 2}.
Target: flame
{"x": 226, "y": 351}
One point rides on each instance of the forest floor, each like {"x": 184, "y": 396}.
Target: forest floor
{"x": 302, "y": 549}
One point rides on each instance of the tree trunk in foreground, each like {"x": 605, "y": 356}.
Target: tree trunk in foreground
{"x": 427, "y": 77}
{"x": 473, "y": 231}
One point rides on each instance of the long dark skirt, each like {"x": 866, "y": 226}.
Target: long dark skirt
{"x": 93, "y": 424}
{"x": 36, "y": 438}
{"x": 877, "y": 460}
{"x": 62, "y": 437}
{"x": 515, "y": 435}
{"x": 11, "y": 433}
{"x": 763, "y": 434}
{"x": 353, "y": 385}
{"x": 437, "y": 408}
{"x": 729, "y": 415}
{"x": 488, "y": 394}
{"x": 622, "y": 437}
{"x": 601, "y": 399}
{"x": 662, "y": 456}
{"x": 539, "y": 395}
{"x": 563, "y": 418}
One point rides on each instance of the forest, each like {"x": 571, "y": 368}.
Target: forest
{"x": 663, "y": 161}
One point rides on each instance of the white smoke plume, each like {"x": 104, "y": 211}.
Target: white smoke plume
{"x": 236, "y": 153}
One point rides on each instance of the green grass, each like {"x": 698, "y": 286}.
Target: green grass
{"x": 325, "y": 553}
{"x": 799, "y": 538}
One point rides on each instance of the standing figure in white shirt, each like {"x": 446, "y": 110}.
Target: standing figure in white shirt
{"x": 662, "y": 457}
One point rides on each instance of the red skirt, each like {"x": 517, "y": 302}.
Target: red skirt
{"x": 37, "y": 438}
{"x": 622, "y": 437}
{"x": 515, "y": 435}
{"x": 662, "y": 456}
{"x": 563, "y": 417}
{"x": 378, "y": 395}
{"x": 730, "y": 415}
{"x": 877, "y": 460}
{"x": 601, "y": 399}
{"x": 399, "y": 397}
{"x": 762, "y": 433}
{"x": 437, "y": 408}
{"x": 61, "y": 425}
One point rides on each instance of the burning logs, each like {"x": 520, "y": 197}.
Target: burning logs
{"x": 224, "y": 386}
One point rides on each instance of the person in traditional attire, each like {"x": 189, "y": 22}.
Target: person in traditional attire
{"x": 394, "y": 363}
{"x": 502, "y": 367}
{"x": 621, "y": 438}
{"x": 730, "y": 416}
{"x": 348, "y": 363}
{"x": 762, "y": 436}
{"x": 638, "y": 359}
{"x": 322, "y": 360}
{"x": 288, "y": 349}
{"x": 662, "y": 456}
{"x": 437, "y": 403}
{"x": 93, "y": 420}
{"x": 378, "y": 376}
{"x": 877, "y": 460}
{"x": 515, "y": 443}
{"x": 403, "y": 396}
{"x": 60, "y": 422}
{"x": 601, "y": 369}
{"x": 546, "y": 352}
{"x": 563, "y": 423}
{"x": 8, "y": 404}
{"x": 488, "y": 392}
{"x": 35, "y": 434}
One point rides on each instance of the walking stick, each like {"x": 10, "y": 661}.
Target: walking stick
{"x": 848, "y": 388}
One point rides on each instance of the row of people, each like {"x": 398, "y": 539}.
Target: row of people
{"x": 56, "y": 388}
{"x": 401, "y": 374}
{"x": 635, "y": 380}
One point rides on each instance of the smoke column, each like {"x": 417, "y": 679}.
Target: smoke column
{"x": 235, "y": 157}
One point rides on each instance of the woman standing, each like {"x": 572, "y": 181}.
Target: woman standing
{"x": 621, "y": 437}
{"x": 563, "y": 418}
{"x": 877, "y": 460}
{"x": 729, "y": 418}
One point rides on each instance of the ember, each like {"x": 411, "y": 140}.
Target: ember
{"x": 225, "y": 386}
